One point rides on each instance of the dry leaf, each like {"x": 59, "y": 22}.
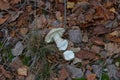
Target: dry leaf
{"x": 85, "y": 54}
{"x": 91, "y": 77}
{"x": 112, "y": 10}
{"x": 108, "y": 3}
{"x": 30, "y": 77}
{"x": 95, "y": 49}
{"x": 81, "y": 6}
{"x": 70, "y": 5}
{"x": 63, "y": 74}
{"x": 16, "y": 63}
{"x": 100, "y": 10}
{"x": 4, "y": 73}
{"x": 58, "y": 16}
{"x": 15, "y": 1}
{"x": 97, "y": 41}
{"x": 3, "y": 19}
{"x": 60, "y": 7}
{"x": 14, "y": 17}
{"x": 85, "y": 37}
{"x": 114, "y": 36}
{"x": 4, "y": 5}
{"x": 22, "y": 71}
{"x": 23, "y": 31}
{"x": 12, "y": 33}
{"x": 112, "y": 48}
{"x": 100, "y": 29}
{"x": 41, "y": 21}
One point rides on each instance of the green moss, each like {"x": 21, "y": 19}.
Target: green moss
{"x": 105, "y": 77}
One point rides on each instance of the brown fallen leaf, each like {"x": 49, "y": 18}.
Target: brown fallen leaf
{"x": 16, "y": 63}
{"x": 91, "y": 77}
{"x": 30, "y": 77}
{"x": 3, "y": 19}
{"x": 15, "y": 1}
{"x": 22, "y": 20}
{"x": 109, "y": 3}
{"x": 112, "y": 48}
{"x": 14, "y": 17}
{"x": 23, "y": 31}
{"x": 114, "y": 36}
{"x": 97, "y": 41}
{"x": 60, "y": 7}
{"x": 100, "y": 29}
{"x": 81, "y": 6}
{"x": 95, "y": 49}
{"x": 22, "y": 71}
{"x": 40, "y": 21}
{"x": 63, "y": 74}
{"x": 100, "y": 10}
{"x": 4, "y": 73}
{"x": 4, "y": 4}
{"x": 85, "y": 54}
{"x": 85, "y": 37}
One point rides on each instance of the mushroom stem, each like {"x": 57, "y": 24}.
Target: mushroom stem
{"x": 61, "y": 43}
{"x": 57, "y": 38}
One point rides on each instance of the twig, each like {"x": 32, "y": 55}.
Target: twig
{"x": 65, "y": 14}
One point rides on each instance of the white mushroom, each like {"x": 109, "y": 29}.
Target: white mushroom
{"x": 55, "y": 35}
{"x": 68, "y": 55}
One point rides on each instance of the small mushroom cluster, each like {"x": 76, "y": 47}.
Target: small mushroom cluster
{"x": 62, "y": 44}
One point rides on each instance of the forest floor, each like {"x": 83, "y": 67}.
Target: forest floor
{"x": 91, "y": 28}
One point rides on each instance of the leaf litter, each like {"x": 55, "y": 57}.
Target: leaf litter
{"x": 92, "y": 31}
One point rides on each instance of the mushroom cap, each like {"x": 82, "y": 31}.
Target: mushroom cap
{"x": 50, "y": 35}
{"x": 68, "y": 55}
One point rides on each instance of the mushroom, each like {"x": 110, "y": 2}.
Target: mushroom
{"x": 55, "y": 35}
{"x": 68, "y": 55}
